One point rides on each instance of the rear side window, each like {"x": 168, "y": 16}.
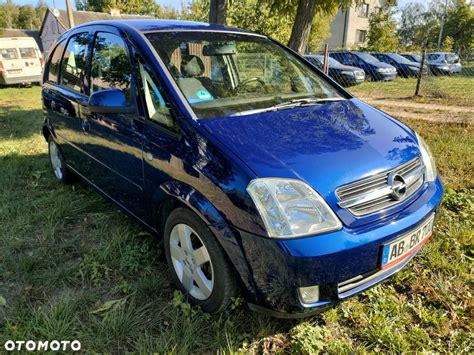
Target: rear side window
{"x": 9, "y": 53}
{"x": 110, "y": 66}
{"x": 27, "y": 53}
{"x": 54, "y": 63}
{"x": 433, "y": 56}
{"x": 73, "y": 67}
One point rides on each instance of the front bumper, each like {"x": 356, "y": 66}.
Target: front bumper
{"x": 384, "y": 76}
{"x": 348, "y": 80}
{"x": 279, "y": 267}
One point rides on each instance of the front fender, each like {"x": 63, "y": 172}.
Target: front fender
{"x": 186, "y": 195}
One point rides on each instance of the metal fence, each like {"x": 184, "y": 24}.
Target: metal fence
{"x": 435, "y": 75}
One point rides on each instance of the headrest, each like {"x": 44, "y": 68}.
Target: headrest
{"x": 191, "y": 66}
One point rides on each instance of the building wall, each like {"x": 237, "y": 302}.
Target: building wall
{"x": 350, "y": 22}
{"x": 52, "y": 29}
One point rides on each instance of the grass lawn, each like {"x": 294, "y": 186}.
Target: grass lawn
{"x": 447, "y": 90}
{"x": 73, "y": 267}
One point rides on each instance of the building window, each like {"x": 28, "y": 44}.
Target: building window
{"x": 364, "y": 10}
{"x": 361, "y": 36}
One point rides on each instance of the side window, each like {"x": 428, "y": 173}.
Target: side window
{"x": 54, "y": 63}
{"x": 73, "y": 67}
{"x": 111, "y": 64}
{"x": 156, "y": 107}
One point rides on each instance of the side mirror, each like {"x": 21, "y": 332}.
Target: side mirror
{"x": 109, "y": 101}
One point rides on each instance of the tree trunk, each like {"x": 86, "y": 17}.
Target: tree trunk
{"x": 302, "y": 25}
{"x": 218, "y": 12}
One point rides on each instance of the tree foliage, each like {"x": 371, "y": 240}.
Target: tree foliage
{"x": 139, "y": 7}
{"x": 305, "y": 12}
{"x": 262, "y": 17}
{"x": 23, "y": 17}
{"x": 420, "y": 25}
{"x": 382, "y": 29}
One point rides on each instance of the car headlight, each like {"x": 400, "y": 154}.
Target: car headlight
{"x": 428, "y": 160}
{"x": 290, "y": 208}
{"x": 382, "y": 70}
{"x": 347, "y": 72}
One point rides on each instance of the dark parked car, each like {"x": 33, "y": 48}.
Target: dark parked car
{"x": 412, "y": 57}
{"x": 343, "y": 74}
{"x": 374, "y": 68}
{"x": 257, "y": 172}
{"x": 405, "y": 67}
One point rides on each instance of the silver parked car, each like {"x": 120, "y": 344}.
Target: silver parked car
{"x": 444, "y": 63}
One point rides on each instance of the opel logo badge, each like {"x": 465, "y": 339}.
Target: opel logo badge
{"x": 397, "y": 185}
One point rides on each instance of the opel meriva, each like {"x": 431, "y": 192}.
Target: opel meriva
{"x": 260, "y": 173}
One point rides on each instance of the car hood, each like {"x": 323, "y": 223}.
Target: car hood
{"x": 345, "y": 67}
{"x": 413, "y": 64}
{"x": 381, "y": 65}
{"x": 325, "y": 145}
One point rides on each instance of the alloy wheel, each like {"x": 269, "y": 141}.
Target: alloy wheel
{"x": 191, "y": 261}
{"x": 56, "y": 162}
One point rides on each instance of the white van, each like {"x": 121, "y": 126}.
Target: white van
{"x": 21, "y": 61}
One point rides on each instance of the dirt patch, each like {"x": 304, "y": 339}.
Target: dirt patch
{"x": 422, "y": 111}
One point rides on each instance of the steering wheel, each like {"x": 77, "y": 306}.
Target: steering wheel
{"x": 245, "y": 82}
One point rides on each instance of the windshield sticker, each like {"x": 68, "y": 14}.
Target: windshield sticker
{"x": 204, "y": 95}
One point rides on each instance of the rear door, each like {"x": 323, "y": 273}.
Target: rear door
{"x": 30, "y": 58}
{"x": 65, "y": 95}
{"x": 112, "y": 142}
{"x": 10, "y": 59}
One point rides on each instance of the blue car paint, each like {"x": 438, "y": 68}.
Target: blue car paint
{"x": 403, "y": 69}
{"x": 208, "y": 164}
{"x": 369, "y": 68}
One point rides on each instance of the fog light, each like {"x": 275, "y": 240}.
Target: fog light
{"x": 309, "y": 294}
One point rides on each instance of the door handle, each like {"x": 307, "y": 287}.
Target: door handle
{"x": 149, "y": 156}
{"x": 86, "y": 126}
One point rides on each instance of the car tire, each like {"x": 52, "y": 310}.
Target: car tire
{"x": 205, "y": 276}
{"x": 58, "y": 164}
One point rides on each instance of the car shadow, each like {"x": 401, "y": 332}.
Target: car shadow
{"x": 66, "y": 233}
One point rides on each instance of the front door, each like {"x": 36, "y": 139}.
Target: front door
{"x": 113, "y": 142}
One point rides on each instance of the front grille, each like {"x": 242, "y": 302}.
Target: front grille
{"x": 375, "y": 194}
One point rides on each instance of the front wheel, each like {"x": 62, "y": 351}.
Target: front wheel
{"x": 198, "y": 265}
{"x": 62, "y": 173}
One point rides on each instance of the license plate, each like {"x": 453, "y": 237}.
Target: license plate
{"x": 406, "y": 245}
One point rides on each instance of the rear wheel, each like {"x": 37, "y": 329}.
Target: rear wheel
{"x": 197, "y": 263}
{"x": 58, "y": 164}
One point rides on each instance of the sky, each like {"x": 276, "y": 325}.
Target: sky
{"x": 175, "y": 3}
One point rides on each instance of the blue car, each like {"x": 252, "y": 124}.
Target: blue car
{"x": 375, "y": 69}
{"x": 405, "y": 67}
{"x": 261, "y": 175}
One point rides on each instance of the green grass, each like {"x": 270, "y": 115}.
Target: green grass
{"x": 446, "y": 90}
{"x": 73, "y": 267}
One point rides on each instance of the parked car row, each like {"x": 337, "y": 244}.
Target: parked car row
{"x": 346, "y": 67}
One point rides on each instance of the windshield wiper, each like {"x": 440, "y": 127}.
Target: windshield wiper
{"x": 290, "y": 104}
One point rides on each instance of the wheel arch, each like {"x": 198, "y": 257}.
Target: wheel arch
{"x": 174, "y": 194}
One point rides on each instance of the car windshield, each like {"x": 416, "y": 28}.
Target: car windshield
{"x": 224, "y": 74}
{"x": 399, "y": 58}
{"x": 367, "y": 57}
{"x": 332, "y": 62}
{"x": 451, "y": 58}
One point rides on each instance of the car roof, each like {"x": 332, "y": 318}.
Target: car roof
{"x": 150, "y": 25}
